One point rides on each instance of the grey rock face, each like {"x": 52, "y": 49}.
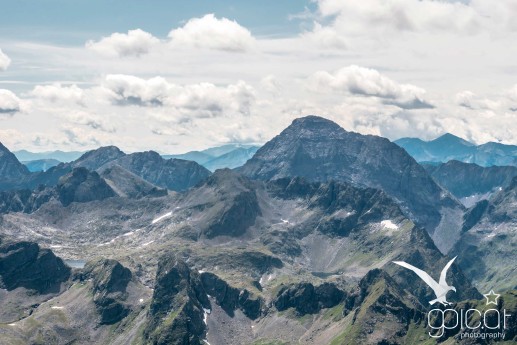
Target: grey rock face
{"x": 320, "y": 150}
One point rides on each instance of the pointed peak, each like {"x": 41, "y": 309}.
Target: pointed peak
{"x": 451, "y": 138}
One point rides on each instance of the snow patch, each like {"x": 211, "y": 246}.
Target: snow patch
{"x": 389, "y": 224}
{"x": 147, "y": 243}
{"x": 205, "y": 315}
{"x": 166, "y": 215}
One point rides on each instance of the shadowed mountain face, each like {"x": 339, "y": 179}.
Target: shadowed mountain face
{"x": 25, "y": 264}
{"x": 450, "y": 147}
{"x": 487, "y": 247}
{"x": 469, "y": 182}
{"x": 10, "y": 167}
{"x": 320, "y": 150}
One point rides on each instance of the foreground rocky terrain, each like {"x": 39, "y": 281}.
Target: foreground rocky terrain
{"x": 136, "y": 249}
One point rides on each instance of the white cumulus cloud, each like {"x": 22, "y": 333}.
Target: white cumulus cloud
{"x": 213, "y": 33}
{"x": 134, "y": 43}
{"x": 9, "y": 102}
{"x": 199, "y": 100}
{"x": 57, "y": 92}
{"x": 358, "y": 80}
{"x": 5, "y": 61}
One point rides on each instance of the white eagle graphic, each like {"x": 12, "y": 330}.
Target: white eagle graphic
{"x": 440, "y": 288}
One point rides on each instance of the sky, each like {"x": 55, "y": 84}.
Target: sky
{"x": 175, "y": 76}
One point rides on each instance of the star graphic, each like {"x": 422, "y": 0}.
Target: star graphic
{"x": 491, "y": 297}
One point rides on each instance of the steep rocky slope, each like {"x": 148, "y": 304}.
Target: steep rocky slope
{"x": 10, "y": 167}
{"x": 470, "y": 182}
{"x": 486, "y": 250}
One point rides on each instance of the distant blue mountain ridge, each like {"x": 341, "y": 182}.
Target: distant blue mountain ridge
{"x": 226, "y": 156}
{"x": 450, "y": 147}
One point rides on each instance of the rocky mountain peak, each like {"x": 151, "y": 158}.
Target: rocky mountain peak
{"x": 94, "y": 159}
{"x": 10, "y": 167}
{"x": 320, "y": 150}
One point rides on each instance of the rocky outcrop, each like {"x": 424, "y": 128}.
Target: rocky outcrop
{"x": 306, "y": 298}
{"x": 231, "y": 298}
{"x": 320, "y": 150}
{"x": 25, "y": 264}
{"x": 82, "y": 185}
{"x": 109, "y": 284}
{"x": 176, "y": 312}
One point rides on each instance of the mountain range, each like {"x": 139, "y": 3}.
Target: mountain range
{"x": 450, "y": 147}
{"x": 226, "y": 156}
{"x": 295, "y": 246}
